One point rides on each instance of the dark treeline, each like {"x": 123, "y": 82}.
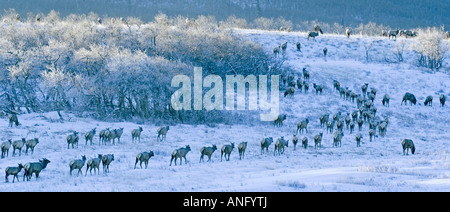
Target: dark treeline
{"x": 397, "y": 14}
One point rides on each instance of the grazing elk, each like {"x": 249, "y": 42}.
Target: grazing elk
{"x": 279, "y": 121}
{"x": 89, "y": 136}
{"x": 318, "y": 88}
{"x": 265, "y": 143}
{"x": 280, "y": 144}
{"x": 385, "y": 100}
{"x": 348, "y": 32}
{"x": 30, "y": 144}
{"x": 299, "y": 46}
{"x": 294, "y": 141}
{"x": 358, "y": 140}
{"x": 241, "y": 149}
{"x": 325, "y": 51}
{"x": 305, "y": 74}
{"x": 136, "y": 134}
{"x": 276, "y": 51}
{"x": 284, "y": 46}
{"x": 180, "y": 153}
{"x": 318, "y": 140}
{"x": 428, "y": 101}
{"x": 106, "y": 161}
{"x": 409, "y": 97}
{"x": 408, "y": 144}
{"x": 318, "y": 29}
{"x": 94, "y": 163}
{"x": 72, "y": 139}
{"x": 442, "y": 99}
{"x": 13, "y": 171}
{"x": 226, "y": 150}
{"x": 302, "y": 125}
{"x": 382, "y": 129}
{"x": 208, "y": 151}
{"x": 364, "y": 88}
{"x": 299, "y": 84}
{"x": 305, "y": 142}
{"x": 143, "y": 157}
{"x": 35, "y": 168}
{"x": 5, "y": 148}
{"x": 337, "y": 138}
{"x": 162, "y": 132}
{"x": 77, "y": 164}
{"x": 313, "y": 35}
{"x": 393, "y": 33}
{"x": 372, "y": 133}
{"x": 323, "y": 120}
{"x": 289, "y": 91}
{"x": 13, "y": 119}
{"x": 330, "y": 126}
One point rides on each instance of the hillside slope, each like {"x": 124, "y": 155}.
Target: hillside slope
{"x": 375, "y": 166}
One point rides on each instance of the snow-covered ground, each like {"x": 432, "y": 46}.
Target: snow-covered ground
{"x": 375, "y": 166}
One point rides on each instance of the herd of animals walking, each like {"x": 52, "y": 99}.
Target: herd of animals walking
{"x": 364, "y": 114}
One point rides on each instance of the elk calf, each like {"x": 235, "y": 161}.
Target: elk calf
{"x": 13, "y": 171}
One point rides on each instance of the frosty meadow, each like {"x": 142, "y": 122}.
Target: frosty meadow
{"x": 213, "y": 99}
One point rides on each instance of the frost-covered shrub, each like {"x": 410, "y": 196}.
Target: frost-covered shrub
{"x": 431, "y": 48}
{"x": 116, "y": 67}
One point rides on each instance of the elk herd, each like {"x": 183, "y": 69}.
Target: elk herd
{"x": 337, "y": 124}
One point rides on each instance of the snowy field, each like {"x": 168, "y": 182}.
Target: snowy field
{"x": 375, "y": 166}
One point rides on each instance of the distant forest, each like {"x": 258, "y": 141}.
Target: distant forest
{"x": 396, "y": 14}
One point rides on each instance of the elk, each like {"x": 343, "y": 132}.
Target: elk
{"x": 226, "y": 150}
{"x": 94, "y": 163}
{"x": 180, "y": 153}
{"x": 208, "y": 151}
{"x": 89, "y": 136}
{"x": 408, "y": 144}
{"x": 265, "y": 143}
{"x": 143, "y": 157}
{"x": 13, "y": 171}
{"x": 77, "y": 164}
{"x": 241, "y": 149}
{"x": 162, "y": 131}
{"x": 136, "y": 134}
{"x": 35, "y": 168}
